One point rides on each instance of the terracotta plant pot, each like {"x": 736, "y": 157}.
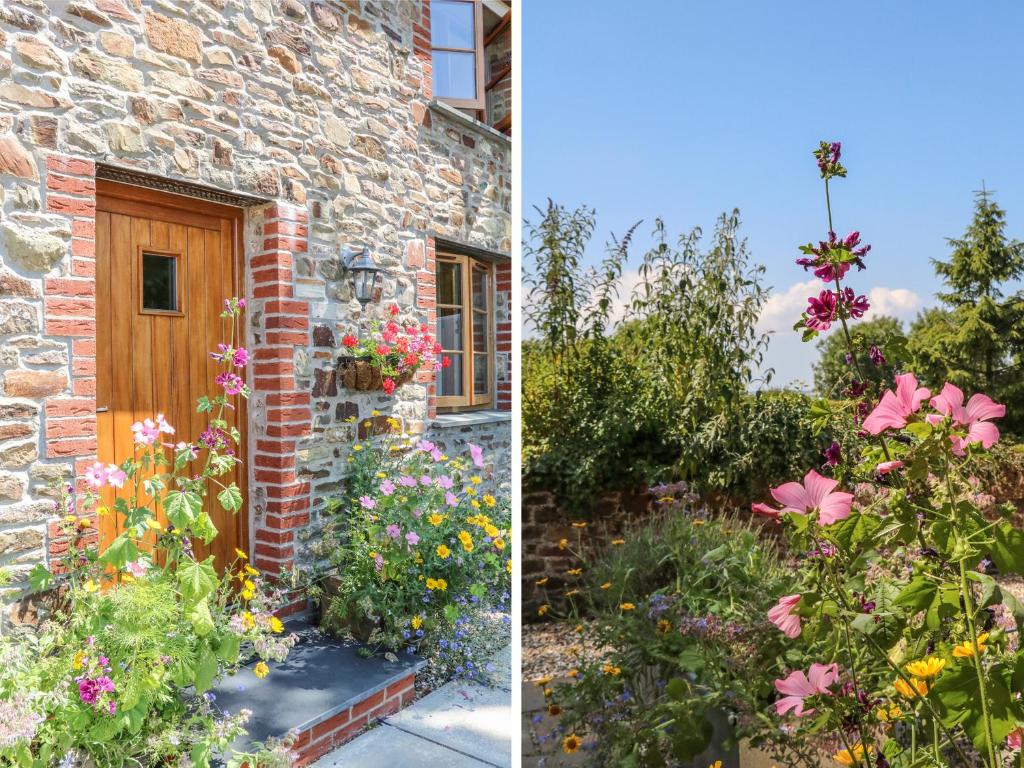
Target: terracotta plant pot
{"x": 363, "y": 376}
{"x": 334, "y": 624}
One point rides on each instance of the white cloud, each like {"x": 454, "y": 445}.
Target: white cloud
{"x": 781, "y": 310}
{"x": 897, "y": 302}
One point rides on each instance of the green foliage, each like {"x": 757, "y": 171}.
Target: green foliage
{"x": 613, "y": 401}
{"x": 678, "y": 611}
{"x": 832, "y": 373}
{"x": 413, "y": 556}
{"x": 139, "y": 632}
{"x": 975, "y": 340}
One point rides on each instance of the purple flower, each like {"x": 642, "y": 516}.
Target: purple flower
{"x": 876, "y": 355}
{"x": 450, "y": 499}
{"x": 367, "y": 502}
{"x": 436, "y": 455}
{"x": 412, "y": 538}
{"x": 387, "y": 487}
{"x": 231, "y": 382}
{"x": 394, "y": 531}
{"x": 821, "y": 311}
{"x": 477, "y": 453}
{"x": 425, "y": 480}
{"x": 407, "y": 482}
{"x": 444, "y": 482}
{"x": 425, "y": 445}
{"x": 832, "y": 454}
{"x": 378, "y": 562}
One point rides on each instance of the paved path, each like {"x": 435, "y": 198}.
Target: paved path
{"x": 460, "y": 725}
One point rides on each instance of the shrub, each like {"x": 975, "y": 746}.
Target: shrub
{"x": 418, "y": 541}
{"x": 675, "y": 608}
{"x": 142, "y": 631}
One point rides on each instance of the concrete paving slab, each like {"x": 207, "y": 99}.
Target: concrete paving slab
{"x": 387, "y": 747}
{"x": 468, "y": 717}
{"x": 321, "y": 677}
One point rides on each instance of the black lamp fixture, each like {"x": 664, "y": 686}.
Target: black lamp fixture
{"x": 364, "y": 274}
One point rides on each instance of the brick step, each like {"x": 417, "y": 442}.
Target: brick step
{"x": 325, "y": 689}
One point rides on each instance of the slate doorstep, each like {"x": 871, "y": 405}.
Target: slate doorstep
{"x": 460, "y": 725}
{"x": 325, "y": 690}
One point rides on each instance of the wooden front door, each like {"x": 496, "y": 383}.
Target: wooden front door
{"x": 164, "y": 266}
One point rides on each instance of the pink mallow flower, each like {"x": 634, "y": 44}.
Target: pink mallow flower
{"x": 367, "y": 502}
{"x": 148, "y": 431}
{"x": 394, "y": 531}
{"x": 974, "y": 417}
{"x": 816, "y": 494}
{"x": 477, "y": 454}
{"x": 412, "y": 538}
{"x": 896, "y": 407}
{"x": 387, "y": 487}
{"x": 782, "y": 616}
{"x": 1014, "y": 739}
{"x": 799, "y": 686}
{"x": 137, "y": 568}
{"x": 888, "y": 466}
{"x": 100, "y": 474}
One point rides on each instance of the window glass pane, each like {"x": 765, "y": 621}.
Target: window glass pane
{"x": 449, "y": 283}
{"x": 480, "y": 292}
{"x": 481, "y": 377}
{"x": 159, "y": 289}
{"x": 454, "y": 75}
{"x": 451, "y": 24}
{"x": 449, "y": 328}
{"x": 449, "y": 380}
{"x": 479, "y": 331}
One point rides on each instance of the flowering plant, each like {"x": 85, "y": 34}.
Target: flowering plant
{"x": 121, "y": 674}
{"x": 913, "y": 641}
{"x": 397, "y": 350}
{"x": 419, "y": 540}
{"x": 663, "y": 641}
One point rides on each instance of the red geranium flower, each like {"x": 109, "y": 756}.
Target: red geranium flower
{"x": 389, "y": 386}
{"x": 349, "y": 341}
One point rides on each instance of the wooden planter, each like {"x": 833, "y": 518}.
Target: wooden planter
{"x": 363, "y": 376}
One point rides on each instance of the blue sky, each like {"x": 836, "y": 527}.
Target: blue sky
{"x": 687, "y": 109}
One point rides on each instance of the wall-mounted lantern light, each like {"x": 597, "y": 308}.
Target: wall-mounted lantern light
{"x": 364, "y": 274}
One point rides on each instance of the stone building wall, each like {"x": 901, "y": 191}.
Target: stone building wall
{"x": 323, "y": 110}
{"x": 499, "y": 56}
{"x": 545, "y": 524}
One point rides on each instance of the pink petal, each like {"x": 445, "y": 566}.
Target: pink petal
{"x": 981, "y": 407}
{"x": 908, "y": 393}
{"x": 784, "y": 705}
{"x": 887, "y": 414}
{"x": 818, "y": 488}
{"x": 948, "y": 400}
{"x": 836, "y": 506}
{"x": 760, "y": 508}
{"x": 793, "y": 497}
{"x": 888, "y": 466}
{"x": 984, "y": 432}
{"x": 795, "y": 684}
{"x": 821, "y": 676}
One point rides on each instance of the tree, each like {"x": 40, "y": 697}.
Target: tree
{"x": 975, "y": 340}
{"x": 832, "y": 372}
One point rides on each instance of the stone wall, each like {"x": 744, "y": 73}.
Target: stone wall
{"x": 545, "y": 524}
{"x": 322, "y": 109}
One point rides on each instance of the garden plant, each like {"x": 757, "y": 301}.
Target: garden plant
{"x": 120, "y": 673}
{"x": 421, "y": 548}
{"x": 912, "y": 640}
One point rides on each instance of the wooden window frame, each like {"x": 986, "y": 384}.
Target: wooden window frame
{"x": 480, "y": 102}
{"x": 469, "y": 400}
{"x": 178, "y": 265}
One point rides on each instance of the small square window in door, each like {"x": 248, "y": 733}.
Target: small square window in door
{"x": 159, "y": 282}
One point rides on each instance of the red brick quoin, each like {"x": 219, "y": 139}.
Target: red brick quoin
{"x": 284, "y": 326}
{"x": 69, "y": 312}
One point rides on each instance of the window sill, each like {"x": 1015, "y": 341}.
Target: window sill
{"x": 452, "y": 113}
{"x": 470, "y": 418}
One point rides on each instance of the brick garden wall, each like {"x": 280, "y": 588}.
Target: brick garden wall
{"x": 324, "y": 110}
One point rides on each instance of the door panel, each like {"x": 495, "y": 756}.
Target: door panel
{"x": 154, "y": 361}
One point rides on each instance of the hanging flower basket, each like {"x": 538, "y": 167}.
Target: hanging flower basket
{"x": 388, "y": 356}
{"x": 362, "y": 375}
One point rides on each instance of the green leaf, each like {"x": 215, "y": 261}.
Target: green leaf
{"x": 182, "y": 507}
{"x": 40, "y": 578}
{"x": 230, "y": 498}
{"x": 1008, "y": 549}
{"x": 202, "y": 621}
{"x": 120, "y": 552}
{"x": 227, "y": 649}
{"x": 196, "y": 579}
{"x": 207, "y": 670}
{"x": 919, "y": 429}
{"x": 677, "y": 689}
{"x": 918, "y": 594}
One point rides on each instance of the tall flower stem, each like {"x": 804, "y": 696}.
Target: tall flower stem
{"x": 968, "y": 609}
